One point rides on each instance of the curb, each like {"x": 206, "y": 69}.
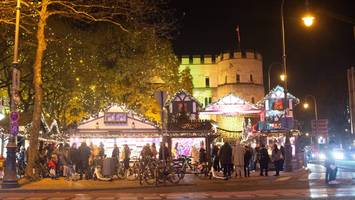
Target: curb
{"x": 20, "y": 190}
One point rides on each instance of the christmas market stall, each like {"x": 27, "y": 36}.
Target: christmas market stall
{"x": 235, "y": 117}
{"x": 120, "y": 126}
{"x": 274, "y": 124}
{"x": 185, "y": 131}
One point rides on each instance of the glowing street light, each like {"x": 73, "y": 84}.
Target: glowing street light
{"x": 305, "y": 105}
{"x": 283, "y": 77}
{"x": 308, "y": 20}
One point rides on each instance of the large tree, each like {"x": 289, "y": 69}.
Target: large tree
{"x": 133, "y": 18}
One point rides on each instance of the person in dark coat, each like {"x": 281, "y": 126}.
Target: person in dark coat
{"x": 202, "y": 155}
{"x": 164, "y": 153}
{"x": 74, "y": 156}
{"x": 264, "y": 160}
{"x": 276, "y": 158}
{"x": 247, "y": 159}
{"x": 215, "y": 158}
{"x": 84, "y": 154}
{"x": 282, "y": 149}
{"x": 225, "y": 156}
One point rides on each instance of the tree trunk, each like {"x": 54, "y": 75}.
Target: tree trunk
{"x": 37, "y": 83}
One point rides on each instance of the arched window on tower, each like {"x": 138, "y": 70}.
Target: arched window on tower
{"x": 251, "y": 78}
{"x": 237, "y": 78}
{"x": 225, "y": 79}
{"x": 252, "y": 100}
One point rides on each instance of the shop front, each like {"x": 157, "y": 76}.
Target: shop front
{"x": 276, "y": 119}
{"x": 235, "y": 117}
{"x": 118, "y": 126}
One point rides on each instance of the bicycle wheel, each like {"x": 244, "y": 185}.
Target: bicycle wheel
{"x": 132, "y": 173}
{"x": 173, "y": 176}
{"x": 121, "y": 172}
{"x": 149, "y": 176}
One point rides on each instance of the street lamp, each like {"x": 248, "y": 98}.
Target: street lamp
{"x": 308, "y": 20}
{"x": 161, "y": 97}
{"x": 283, "y": 77}
{"x": 10, "y": 175}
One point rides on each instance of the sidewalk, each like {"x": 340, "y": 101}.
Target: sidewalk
{"x": 49, "y": 185}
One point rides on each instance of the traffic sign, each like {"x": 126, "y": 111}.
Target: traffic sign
{"x": 320, "y": 126}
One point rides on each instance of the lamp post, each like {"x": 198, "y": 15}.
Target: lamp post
{"x": 308, "y": 21}
{"x": 269, "y": 71}
{"x": 10, "y": 175}
{"x": 306, "y": 106}
{"x": 161, "y": 96}
{"x": 288, "y": 147}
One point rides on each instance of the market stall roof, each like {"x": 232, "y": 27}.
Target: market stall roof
{"x": 117, "y": 121}
{"x": 277, "y": 93}
{"x": 182, "y": 95}
{"x": 230, "y": 104}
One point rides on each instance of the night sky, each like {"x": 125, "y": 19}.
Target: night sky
{"x": 317, "y": 57}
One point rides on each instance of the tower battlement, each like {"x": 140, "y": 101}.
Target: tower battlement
{"x": 215, "y": 58}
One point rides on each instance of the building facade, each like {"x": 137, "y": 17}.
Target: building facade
{"x": 351, "y": 91}
{"x": 215, "y": 76}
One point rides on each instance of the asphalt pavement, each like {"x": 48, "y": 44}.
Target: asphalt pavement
{"x": 300, "y": 184}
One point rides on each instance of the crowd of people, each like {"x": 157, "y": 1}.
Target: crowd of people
{"x": 237, "y": 159}
{"x": 65, "y": 160}
{"x": 243, "y": 159}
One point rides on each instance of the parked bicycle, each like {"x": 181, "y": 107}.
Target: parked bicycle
{"x": 165, "y": 171}
{"x": 193, "y": 168}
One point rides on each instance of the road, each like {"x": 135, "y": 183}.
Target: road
{"x": 292, "y": 186}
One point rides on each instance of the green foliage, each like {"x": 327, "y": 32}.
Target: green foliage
{"x": 186, "y": 80}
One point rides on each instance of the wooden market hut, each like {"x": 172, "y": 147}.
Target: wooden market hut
{"x": 185, "y": 130}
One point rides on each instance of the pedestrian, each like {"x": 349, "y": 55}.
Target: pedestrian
{"x": 52, "y": 166}
{"x": 225, "y": 156}
{"x": 194, "y": 155}
{"x": 247, "y": 159}
{"x": 276, "y": 158}
{"x": 2, "y": 164}
{"x": 238, "y": 158}
{"x": 101, "y": 150}
{"x": 264, "y": 160}
{"x": 330, "y": 167}
{"x": 215, "y": 158}
{"x": 164, "y": 153}
{"x": 59, "y": 151}
{"x": 116, "y": 155}
{"x": 256, "y": 157}
{"x": 154, "y": 151}
{"x": 65, "y": 160}
{"x": 84, "y": 154}
{"x": 125, "y": 156}
{"x": 146, "y": 153}
{"x": 282, "y": 149}
{"x": 74, "y": 157}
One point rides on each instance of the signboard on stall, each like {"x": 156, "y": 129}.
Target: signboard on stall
{"x": 115, "y": 117}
